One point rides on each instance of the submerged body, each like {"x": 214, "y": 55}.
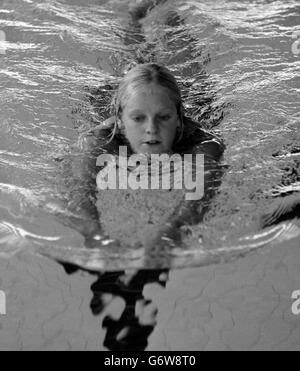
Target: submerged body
{"x": 156, "y": 219}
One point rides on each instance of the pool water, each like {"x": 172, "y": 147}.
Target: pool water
{"x": 238, "y": 65}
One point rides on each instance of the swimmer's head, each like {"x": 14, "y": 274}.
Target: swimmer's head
{"x": 148, "y": 109}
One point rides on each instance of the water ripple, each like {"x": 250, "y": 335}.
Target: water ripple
{"x": 61, "y": 62}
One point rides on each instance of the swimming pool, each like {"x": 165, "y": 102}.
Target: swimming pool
{"x": 238, "y": 64}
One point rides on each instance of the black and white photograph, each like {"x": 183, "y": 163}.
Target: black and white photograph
{"x": 150, "y": 178}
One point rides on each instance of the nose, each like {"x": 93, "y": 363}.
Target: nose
{"x": 151, "y": 127}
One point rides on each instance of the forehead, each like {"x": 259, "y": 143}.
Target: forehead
{"x": 149, "y": 97}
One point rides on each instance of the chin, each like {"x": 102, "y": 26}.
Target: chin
{"x": 155, "y": 150}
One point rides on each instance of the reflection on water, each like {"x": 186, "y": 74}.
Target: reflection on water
{"x": 132, "y": 318}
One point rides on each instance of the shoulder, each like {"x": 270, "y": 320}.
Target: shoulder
{"x": 105, "y": 130}
{"x": 107, "y": 125}
{"x": 203, "y": 140}
{"x": 110, "y": 122}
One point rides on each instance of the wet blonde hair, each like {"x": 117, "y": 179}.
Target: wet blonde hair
{"x": 138, "y": 77}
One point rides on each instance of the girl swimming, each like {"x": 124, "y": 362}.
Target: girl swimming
{"x": 148, "y": 118}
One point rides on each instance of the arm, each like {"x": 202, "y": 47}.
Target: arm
{"x": 211, "y": 145}
{"x": 200, "y": 140}
{"x": 83, "y": 172}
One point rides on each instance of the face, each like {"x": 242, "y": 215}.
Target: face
{"x": 150, "y": 120}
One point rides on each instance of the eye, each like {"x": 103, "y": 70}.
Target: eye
{"x": 138, "y": 118}
{"x": 165, "y": 117}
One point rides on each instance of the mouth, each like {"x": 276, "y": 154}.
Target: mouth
{"x": 152, "y": 142}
